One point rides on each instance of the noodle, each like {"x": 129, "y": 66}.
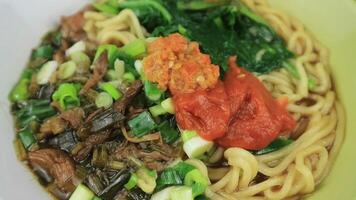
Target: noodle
{"x": 296, "y": 169}
{"x": 120, "y": 29}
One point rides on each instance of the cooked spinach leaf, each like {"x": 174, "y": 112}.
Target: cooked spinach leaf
{"x": 226, "y": 31}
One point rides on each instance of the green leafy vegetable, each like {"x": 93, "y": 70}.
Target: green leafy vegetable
{"x": 67, "y": 95}
{"x": 241, "y": 33}
{"x": 105, "y": 8}
{"x": 142, "y": 124}
{"x": 274, "y": 146}
{"x": 34, "y": 110}
{"x": 199, "y": 4}
{"x": 146, "y": 8}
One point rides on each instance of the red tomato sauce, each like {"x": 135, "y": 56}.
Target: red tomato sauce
{"x": 238, "y": 112}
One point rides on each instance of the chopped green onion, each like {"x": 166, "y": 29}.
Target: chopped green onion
{"x": 142, "y": 124}
{"x": 111, "y": 75}
{"x": 27, "y": 138}
{"x": 105, "y": 8}
{"x": 20, "y": 91}
{"x": 168, "y": 133}
{"x": 157, "y": 110}
{"x": 181, "y": 192}
{"x": 46, "y": 72}
{"x": 77, "y": 47}
{"x": 129, "y": 77}
{"x": 183, "y": 168}
{"x": 112, "y": 53}
{"x": 168, "y": 177}
{"x": 187, "y": 135}
{"x": 111, "y": 90}
{"x": 34, "y": 110}
{"x": 82, "y": 61}
{"x": 67, "y": 95}
{"x": 132, "y": 182}
{"x": 103, "y": 100}
{"x": 146, "y": 180}
{"x": 82, "y": 193}
{"x": 67, "y": 70}
{"x": 168, "y": 105}
{"x": 139, "y": 67}
{"x": 197, "y": 146}
{"x": 119, "y": 68}
{"x": 163, "y": 194}
{"x": 277, "y": 144}
{"x": 135, "y": 48}
{"x": 45, "y": 51}
{"x": 197, "y": 181}
{"x": 152, "y": 92}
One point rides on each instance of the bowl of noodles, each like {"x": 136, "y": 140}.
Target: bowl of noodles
{"x": 177, "y": 99}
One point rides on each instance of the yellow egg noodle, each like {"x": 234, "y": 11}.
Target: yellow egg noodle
{"x": 298, "y": 168}
{"x": 120, "y": 29}
{"x": 294, "y": 170}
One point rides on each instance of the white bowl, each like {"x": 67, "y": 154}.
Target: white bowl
{"x": 23, "y": 22}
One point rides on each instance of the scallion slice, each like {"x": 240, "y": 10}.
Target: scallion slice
{"x": 67, "y": 95}
{"x": 82, "y": 193}
{"x": 132, "y": 182}
{"x": 142, "y": 124}
{"x": 111, "y": 90}
{"x": 197, "y": 146}
{"x": 103, "y": 100}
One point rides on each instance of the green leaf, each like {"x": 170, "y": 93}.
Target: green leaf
{"x": 274, "y": 146}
